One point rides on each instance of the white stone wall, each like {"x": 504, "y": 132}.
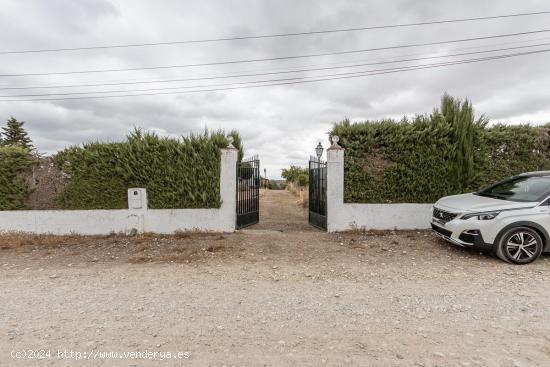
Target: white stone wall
{"x": 64, "y": 221}
{"x": 137, "y": 217}
{"x": 343, "y": 217}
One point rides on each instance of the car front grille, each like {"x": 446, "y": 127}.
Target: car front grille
{"x": 442, "y": 231}
{"x": 443, "y": 216}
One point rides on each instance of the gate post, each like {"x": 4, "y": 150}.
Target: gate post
{"x": 228, "y": 187}
{"x": 335, "y": 185}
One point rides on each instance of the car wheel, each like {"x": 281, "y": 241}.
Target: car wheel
{"x": 520, "y": 245}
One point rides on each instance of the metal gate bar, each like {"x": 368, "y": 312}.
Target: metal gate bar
{"x": 248, "y": 192}
{"x": 318, "y": 193}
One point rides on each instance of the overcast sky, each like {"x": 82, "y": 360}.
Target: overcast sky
{"x": 280, "y": 123}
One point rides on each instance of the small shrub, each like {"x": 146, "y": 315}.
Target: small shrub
{"x": 303, "y": 180}
{"x": 296, "y": 175}
{"x": 274, "y": 185}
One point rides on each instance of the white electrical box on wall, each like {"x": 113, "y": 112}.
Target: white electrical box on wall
{"x": 137, "y": 199}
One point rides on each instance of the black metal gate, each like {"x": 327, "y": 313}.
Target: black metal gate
{"x": 248, "y": 192}
{"x": 318, "y": 193}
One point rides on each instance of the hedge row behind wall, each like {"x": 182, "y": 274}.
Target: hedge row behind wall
{"x": 176, "y": 173}
{"x": 421, "y": 160}
{"x": 15, "y": 162}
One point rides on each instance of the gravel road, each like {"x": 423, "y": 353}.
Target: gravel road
{"x": 277, "y": 294}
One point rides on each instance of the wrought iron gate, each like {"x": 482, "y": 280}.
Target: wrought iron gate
{"x": 318, "y": 193}
{"x": 248, "y": 192}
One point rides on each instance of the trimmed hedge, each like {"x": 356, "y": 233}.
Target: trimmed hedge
{"x": 445, "y": 153}
{"x": 15, "y": 162}
{"x": 176, "y": 173}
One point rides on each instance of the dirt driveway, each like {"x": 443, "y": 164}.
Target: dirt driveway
{"x": 277, "y": 294}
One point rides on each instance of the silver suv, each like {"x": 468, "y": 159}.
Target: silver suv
{"x": 510, "y": 219}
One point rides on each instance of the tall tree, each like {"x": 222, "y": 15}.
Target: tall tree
{"x": 15, "y": 134}
{"x": 460, "y": 116}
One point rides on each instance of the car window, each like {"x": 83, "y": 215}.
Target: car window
{"x": 519, "y": 189}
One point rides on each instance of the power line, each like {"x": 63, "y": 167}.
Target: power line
{"x": 276, "y": 35}
{"x": 295, "y": 80}
{"x": 281, "y": 57}
{"x": 249, "y": 75}
{"x": 289, "y": 69}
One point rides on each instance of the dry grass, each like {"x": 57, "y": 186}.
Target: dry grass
{"x": 147, "y": 247}
{"x": 301, "y": 193}
{"x": 15, "y": 240}
{"x": 211, "y": 248}
{"x": 176, "y": 251}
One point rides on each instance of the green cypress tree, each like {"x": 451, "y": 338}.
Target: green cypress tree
{"x": 461, "y": 118}
{"x": 15, "y": 134}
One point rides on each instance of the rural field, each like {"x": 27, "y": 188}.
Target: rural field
{"x": 278, "y": 293}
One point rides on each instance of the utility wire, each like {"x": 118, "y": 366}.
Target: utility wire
{"x": 276, "y": 35}
{"x": 281, "y": 57}
{"x": 251, "y": 75}
{"x": 296, "y": 68}
{"x": 294, "y": 80}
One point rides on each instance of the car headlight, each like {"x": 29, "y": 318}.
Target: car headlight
{"x": 481, "y": 216}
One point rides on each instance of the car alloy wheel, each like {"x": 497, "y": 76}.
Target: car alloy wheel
{"x": 520, "y": 246}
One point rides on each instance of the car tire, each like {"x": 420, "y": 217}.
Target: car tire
{"x": 520, "y": 245}
{"x": 498, "y": 252}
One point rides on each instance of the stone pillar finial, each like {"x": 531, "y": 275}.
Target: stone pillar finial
{"x": 335, "y": 139}
{"x": 230, "y": 141}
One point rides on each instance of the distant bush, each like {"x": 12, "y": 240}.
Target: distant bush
{"x": 274, "y": 185}
{"x": 15, "y": 162}
{"x": 444, "y": 153}
{"x": 296, "y": 175}
{"x": 303, "y": 180}
{"x": 177, "y": 173}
